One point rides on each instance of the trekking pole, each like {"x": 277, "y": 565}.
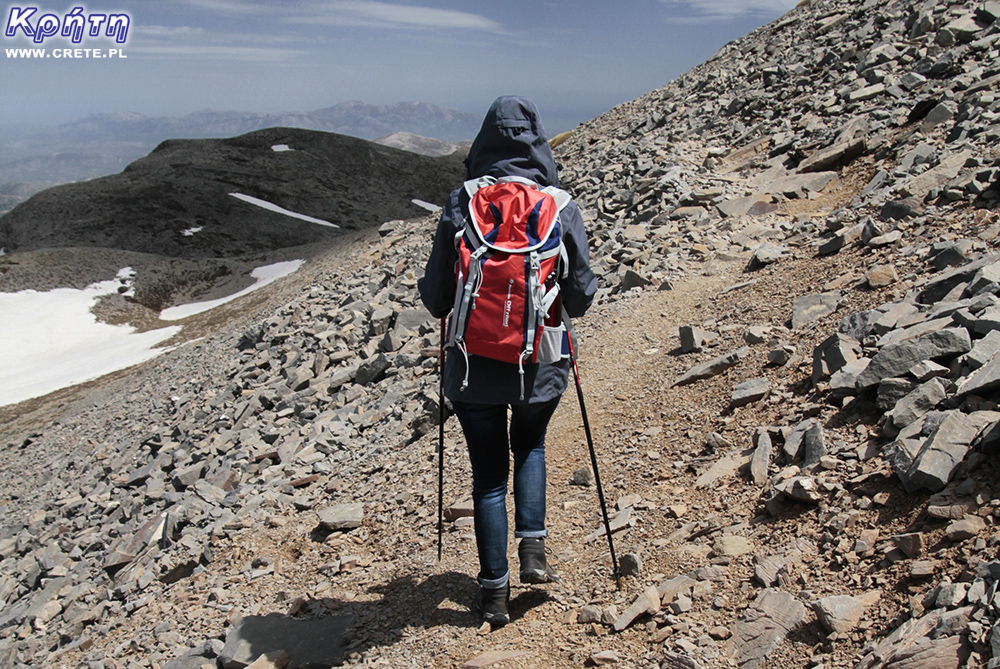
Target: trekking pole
{"x": 441, "y": 440}
{"x": 593, "y": 457}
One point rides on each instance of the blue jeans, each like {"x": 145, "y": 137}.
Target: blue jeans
{"x": 485, "y": 428}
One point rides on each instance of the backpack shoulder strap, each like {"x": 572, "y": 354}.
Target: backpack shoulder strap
{"x": 561, "y": 197}
{"x": 472, "y": 186}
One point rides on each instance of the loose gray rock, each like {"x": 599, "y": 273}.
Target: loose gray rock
{"x": 764, "y": 625}
{"x": 839, "y": 613}
{"x": 918, "y": 402}
{"x": 896, "y": 359}
{"x": 749, "y": 392}
{"x": 940, "y": 454}
{"x": 713, "y": 367}
{"x": 342, "y": 516}
{"x": 809, "y": 308}
{"x": 761, "y": 458}
{"x": 814, "y": 444}
{"x": 694, "y": 339}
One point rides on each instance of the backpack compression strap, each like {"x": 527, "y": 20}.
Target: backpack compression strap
{"x": 481, "y": 248}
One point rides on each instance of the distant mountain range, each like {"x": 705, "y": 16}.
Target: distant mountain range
{"x": 34, "y": 158}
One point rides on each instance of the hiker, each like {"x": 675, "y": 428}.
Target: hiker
{"x": 511, "y": 145}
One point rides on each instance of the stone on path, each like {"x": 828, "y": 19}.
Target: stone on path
{"x": 604, "y": 657}
{"x": 881, "y": 276}
{"x": 766, "y": 255}
{"x": 694, "y": 339}
{"x": 647, "y": 602}
{"x": 458, "y": 510}
{"x": 833, "y": 354}
{"x": 833, "y": 155}
{"x": 726, "y": 466}
{"x": 492, "y": 657}
{"x": 619, "y": 521}
{"x": 678, "y": 661}
{"x": 915, "y": 404}
{"x": 749, "y": 392}
{"x": 732, "y": 545}
{"x": 808, "y": 308}
{"x": 713, "y": 367}
{"x": 945, "y": 171}
{"x": 582, "y": 477}
{"x": 984, "y": 380}
{"x": 630, "y": 564}
{"x": 801, "y": 489}
{"x": 766, "y": 571}
{"x": 342, "y": 516}
{"x": 814, "y": 444}
{"x": 763, "y": 626}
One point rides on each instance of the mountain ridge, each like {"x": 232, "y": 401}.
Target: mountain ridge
{"x": 102, "y": 144}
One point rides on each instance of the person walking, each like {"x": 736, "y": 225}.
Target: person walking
{"x": 510, "y": 144}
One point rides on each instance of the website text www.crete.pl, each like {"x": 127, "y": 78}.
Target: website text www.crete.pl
{"x": 65, "y": 53}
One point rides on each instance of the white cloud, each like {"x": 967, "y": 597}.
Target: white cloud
{"x": 389, "y": 15}
{"x": 220, "y": 52}
{"x": 354, "y": 13}
{"x": 189, "y": 42}
{"x": 229, "y": 6}
{"x": 723, "y": 10}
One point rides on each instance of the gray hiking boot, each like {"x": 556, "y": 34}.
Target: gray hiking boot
{"x": 534, "y": 567}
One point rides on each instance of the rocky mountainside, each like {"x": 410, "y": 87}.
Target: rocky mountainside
{"x": 791, "y": 374}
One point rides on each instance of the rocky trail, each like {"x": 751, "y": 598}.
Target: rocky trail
{"x": 791, "y": 375}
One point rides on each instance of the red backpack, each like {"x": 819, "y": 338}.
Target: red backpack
{"x": 510, "y": 257}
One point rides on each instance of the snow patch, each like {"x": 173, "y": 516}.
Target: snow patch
{"x": 275, "y": 208}
{"x": 191, "y": 232}
{"x": 264, "y": 275}
{"x": 278, "y": 148}
{"x": 53, "y": 341}
{"x": 426, "y": 205}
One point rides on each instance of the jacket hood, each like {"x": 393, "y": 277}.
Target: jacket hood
{"x": 512, "y": 143}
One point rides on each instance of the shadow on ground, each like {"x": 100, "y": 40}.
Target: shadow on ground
{"x": 327, "y": 631}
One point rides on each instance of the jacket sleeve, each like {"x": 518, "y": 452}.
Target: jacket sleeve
{"x": 437, "y": 286}
{"x": 580, "y": 286}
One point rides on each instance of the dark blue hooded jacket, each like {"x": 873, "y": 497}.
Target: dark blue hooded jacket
{"x": 511, "y": 142}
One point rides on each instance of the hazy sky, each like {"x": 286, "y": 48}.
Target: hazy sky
{"x": 575, "y": 58}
